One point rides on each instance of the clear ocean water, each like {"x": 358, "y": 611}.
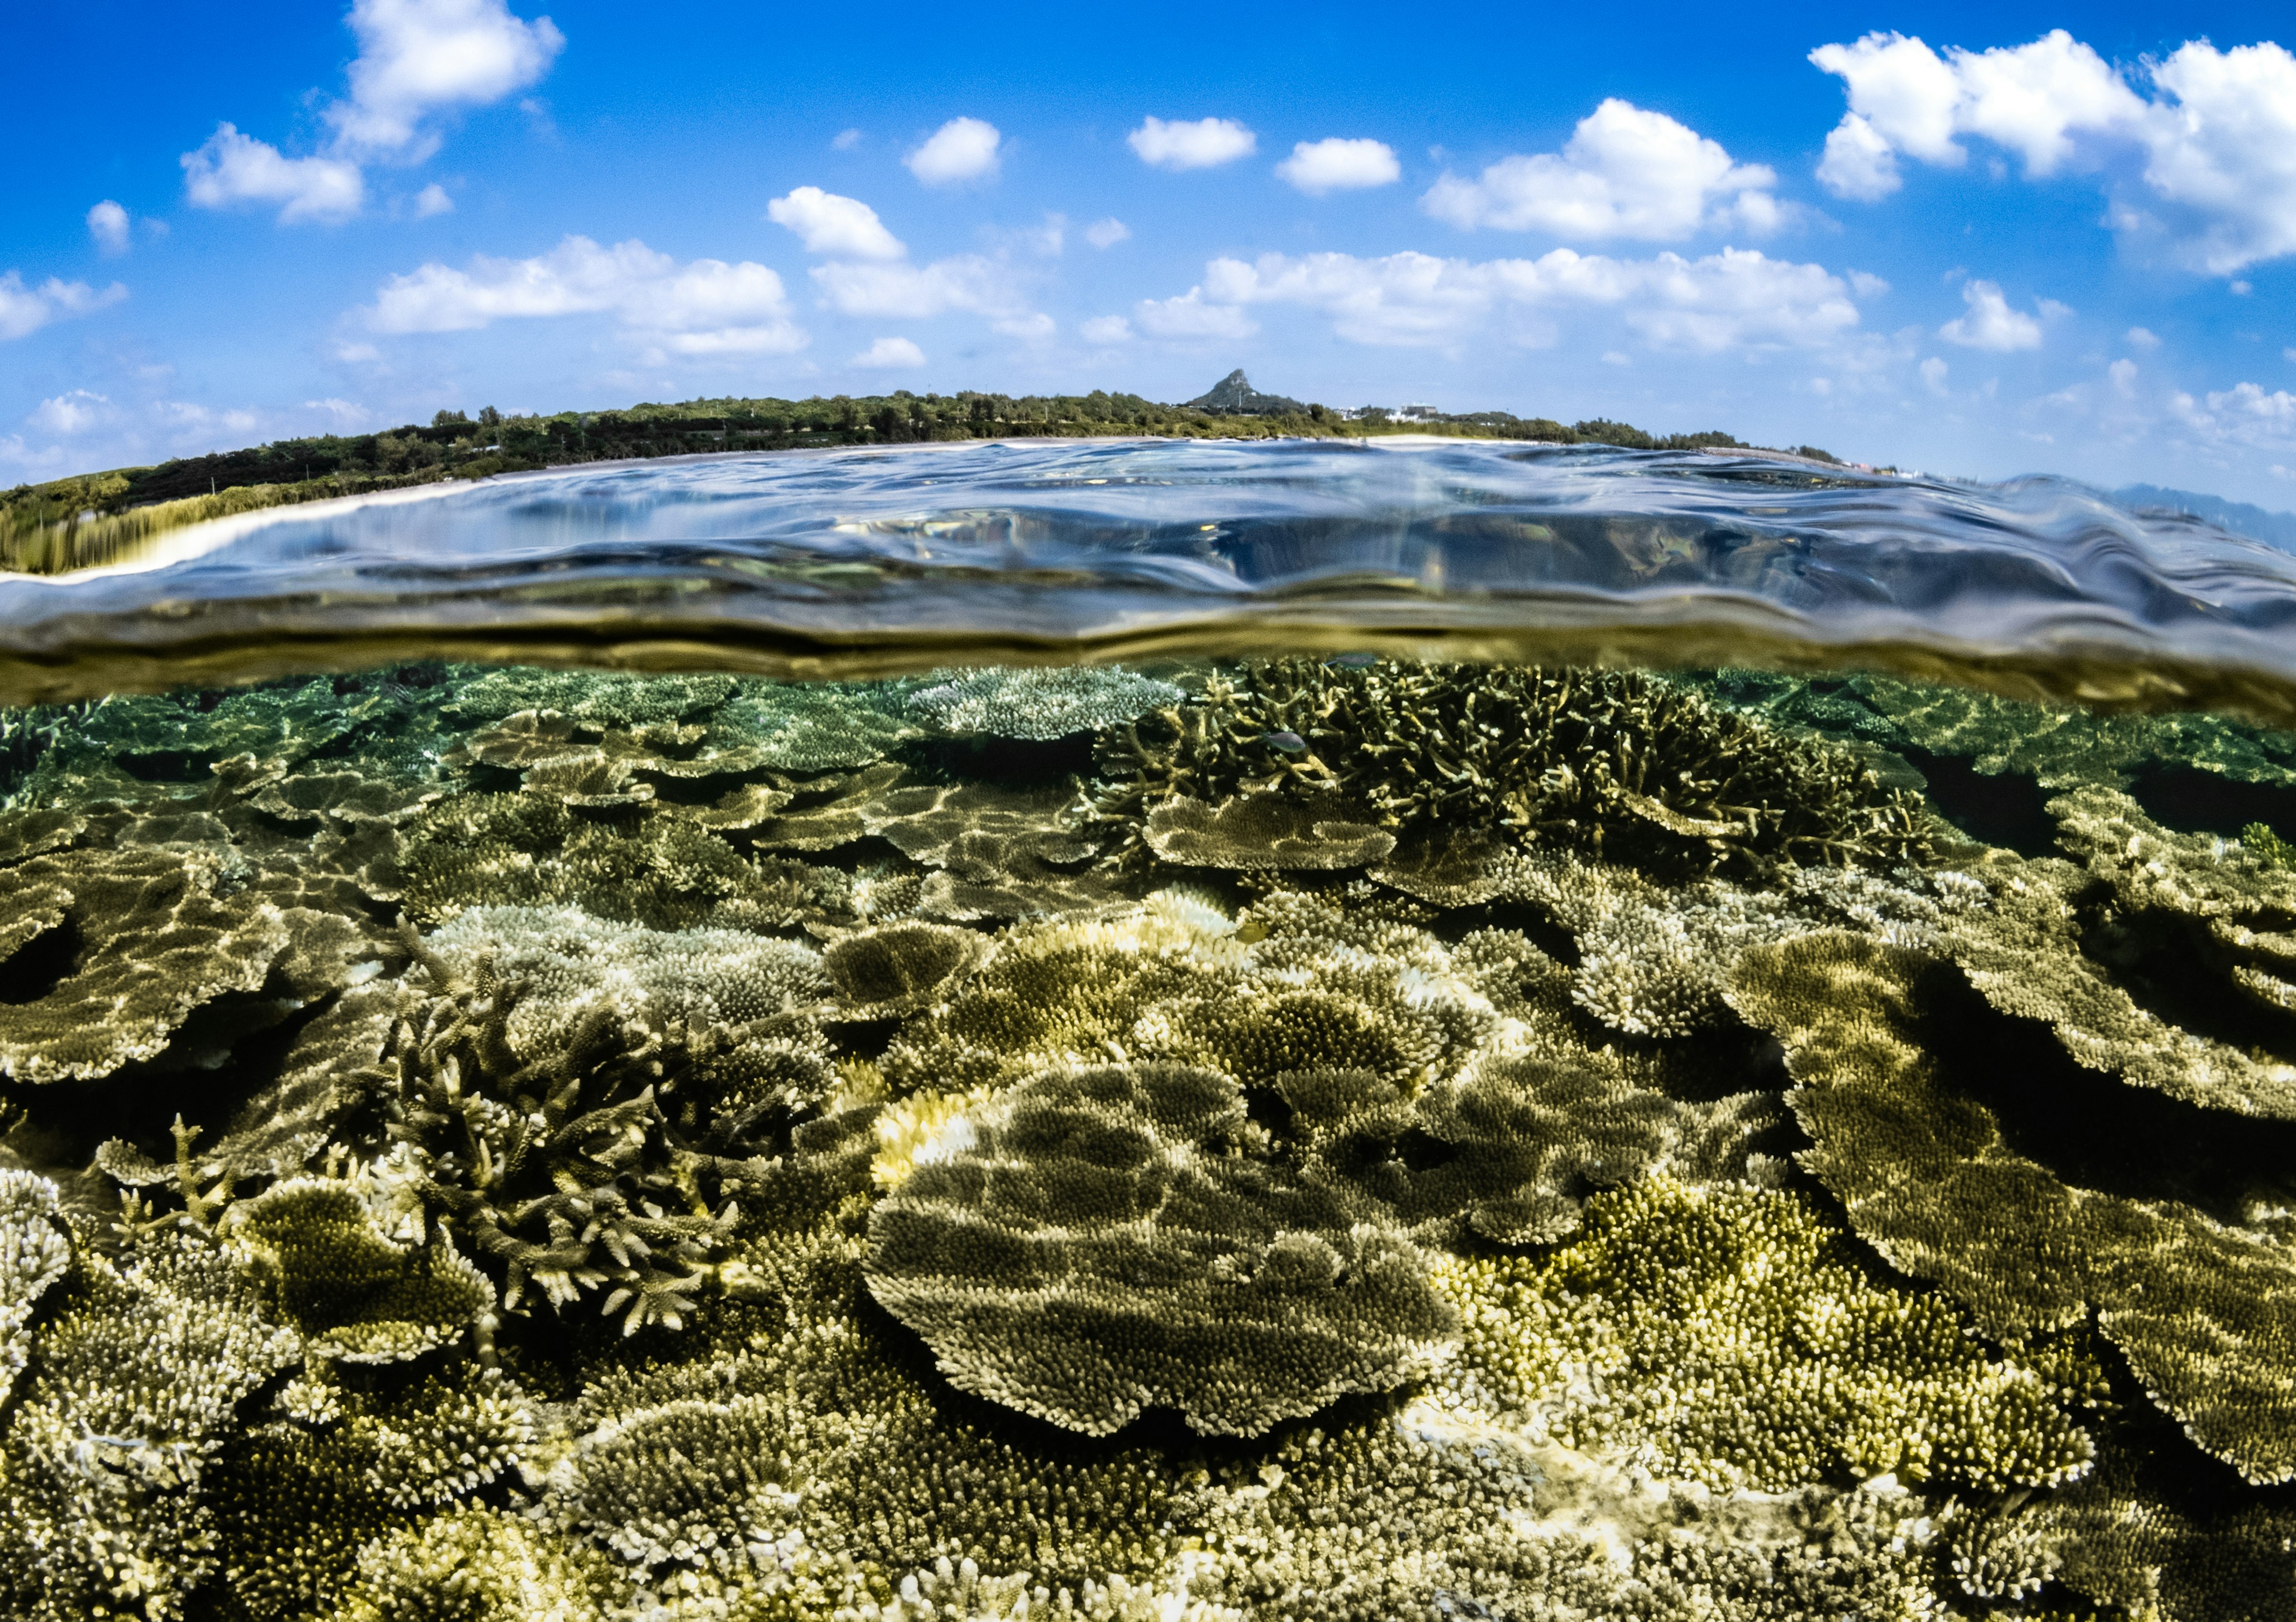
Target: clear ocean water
{"x": 1153, "y": 1030}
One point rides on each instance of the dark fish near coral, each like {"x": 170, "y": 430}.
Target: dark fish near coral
{"x": 1353, "y": 661}
{"x": 1289, "y": 742}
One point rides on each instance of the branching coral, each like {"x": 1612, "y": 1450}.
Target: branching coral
{"x": 1103, "y": 1241}
{"x": 1621, "y": 765}
{"x": 571, "y": 1100}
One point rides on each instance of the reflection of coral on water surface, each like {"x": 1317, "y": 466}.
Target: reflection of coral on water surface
{"x": 1273, "y": 1139}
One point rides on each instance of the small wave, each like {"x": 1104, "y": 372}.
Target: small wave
{"x": 875, "y": 561}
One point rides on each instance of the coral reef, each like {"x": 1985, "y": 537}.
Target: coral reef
{"x": 1042, "y": 703}
{"x": 2206, "y": 1314}
{"x": 1720, "y": 1336}
{"x": 1402, "y": 1141}
{"x": 1617, "y": 765}
{"x": 1101, "y": 1240}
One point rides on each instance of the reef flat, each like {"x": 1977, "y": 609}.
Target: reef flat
{"x": 1287, "y": 1138}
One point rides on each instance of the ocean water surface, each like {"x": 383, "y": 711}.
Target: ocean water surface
{"x": 1153, "y": 1030}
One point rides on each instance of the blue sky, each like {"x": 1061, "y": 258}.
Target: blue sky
{"x": 1941, "y": 236}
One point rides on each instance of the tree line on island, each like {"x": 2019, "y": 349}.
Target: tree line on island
{"x": 96, "y": 517}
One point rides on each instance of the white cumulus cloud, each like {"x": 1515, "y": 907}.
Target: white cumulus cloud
{"x": 840, "y": 227}
{"x": 2143, "y": 338}
{"x": 1336, "y": 165}
{"x": 231, "y": 168}
{"x": 1107, "y": 233}
{"x": 703, "y": 307}
{"x": 68, "y": 413}
{"x": 891, "y": 353}
{"x": 418, "y": 57}
{"x": 1859, "y": 161}
{"x": 1933, "y": 370}
{"x": 1989, "y": 323}
{"x": 1625, "y": 172}
{"x": 1737, "y": 298}
{"x": 2210, "y": 135}
{"x": 1193, "y": 316}
{"x": 1106, "y": 330}
{"x": 2246, "y": 414}
{"x": 107, "y": 223}
{"x": 970, "y": 282}
{"x": 25, "y": 310}
{"x": 1204, "y": 144}
{"x": 963, "y": 149}
{"x": 433, "y": 200}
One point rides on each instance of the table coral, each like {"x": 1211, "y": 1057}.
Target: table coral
{"x": 1040, "y": 703}
{"x": 2205, "y": 1313}
{"x": 1092, "y": 1243}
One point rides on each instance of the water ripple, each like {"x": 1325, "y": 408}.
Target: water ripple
{"x": 868, "y": 562}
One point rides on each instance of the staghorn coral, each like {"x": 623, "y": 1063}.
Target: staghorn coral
{"x": 1621, "y": 766}
{"x": 573, "y": 1097}
{"x": 2205, "y": 1313}
{"x": 1094, "y": 1243}
{"x": 1039, "y": 703}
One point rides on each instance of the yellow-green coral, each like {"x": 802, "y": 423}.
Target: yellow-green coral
{"x": 2206, "y": 1314}
{"x": 1615, "y": 764}
{"x": 1722, "y": 1335}
{"x": 1103, "y": 1241}
{"x": 475, "y": 1565}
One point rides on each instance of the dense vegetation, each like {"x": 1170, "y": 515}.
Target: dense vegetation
{"x": 93, "y": 517}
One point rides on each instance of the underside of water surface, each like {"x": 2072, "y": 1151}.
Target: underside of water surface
{"x": 1266, "y": 1127}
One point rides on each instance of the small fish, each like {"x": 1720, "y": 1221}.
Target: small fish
{"x": 1289, "y": 742}
{"x": 1353, "y": 661}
